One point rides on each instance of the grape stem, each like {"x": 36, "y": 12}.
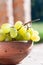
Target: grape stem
{"x": 31, "y": 21}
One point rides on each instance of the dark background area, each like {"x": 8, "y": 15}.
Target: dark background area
{"x": 37, "y": 9}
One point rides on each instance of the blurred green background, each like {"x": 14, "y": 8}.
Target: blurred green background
{"x": 37, "y": 13}
{"x": 39, "y": 27}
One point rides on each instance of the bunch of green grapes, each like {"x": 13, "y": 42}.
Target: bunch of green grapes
{"x": 18, "y": 32}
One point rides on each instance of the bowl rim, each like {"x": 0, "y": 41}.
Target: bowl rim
{"x": 16, "y": 41}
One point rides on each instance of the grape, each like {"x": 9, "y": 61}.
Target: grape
{"x": 36, "y": 32}
{"x": 6, "y": 27}
{"x": 1, "y": 31}
{"x": 2, "y": 36}
{"x": 27, "y": 36}
{"x": 18, "y": 25}
{"x": 8, "y": 38}
{"x": 30, "y": 30}
{"x": 35, "y": 38}
{"x": 13, "y": 32}
{"x": 22, "y": 30}
{"x": 33, "y": 35}
{"x": 19, "y": 37}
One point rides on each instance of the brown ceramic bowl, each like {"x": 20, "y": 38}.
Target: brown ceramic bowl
{"x": 14, "y": 52}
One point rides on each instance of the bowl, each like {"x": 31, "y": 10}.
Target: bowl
{"x": 14, "y": 51}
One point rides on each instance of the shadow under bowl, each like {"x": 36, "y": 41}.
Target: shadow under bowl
{"x": 13, "y": 52}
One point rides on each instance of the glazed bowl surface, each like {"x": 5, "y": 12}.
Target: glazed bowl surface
{"x": 14, "y": 51}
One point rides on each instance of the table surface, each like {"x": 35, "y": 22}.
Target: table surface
{"x": 35, "y": 57}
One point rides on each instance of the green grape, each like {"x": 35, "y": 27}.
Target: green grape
{"x": 2, "y": 35}
{"x": 8, "y": 38}
{"x": 6, "y": 27}
{"x": 30, "y": 30}
{"x": 1, "y": 31}
{"x": 13, "y": 32}
{"x": 35, "y": 32}
{"x": 26, "y": 36}
{"x": 19, "y": 37}
{"x": 18, "y": 25}
{"x": 35, "y": 38}
{"x": 22, "y": 30}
